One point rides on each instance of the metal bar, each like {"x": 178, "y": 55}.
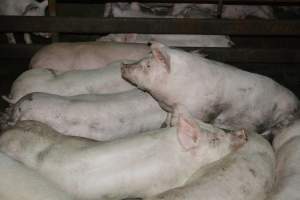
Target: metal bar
{"x": 52, "y": 12}
{"x": 230, "y": 55}
{"x": 190, "y": 1}
{"x": 149, "y": 25}
{"x": 220, "y": 9}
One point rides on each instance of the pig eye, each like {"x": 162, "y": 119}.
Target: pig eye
{"x": 148, "y": 66}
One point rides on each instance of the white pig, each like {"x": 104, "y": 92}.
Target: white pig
{"x": 287, "y": 149}
{"x": 99, "y": 117}
{"x": 18, "y": 182}
{"x": 128, "y": 10}
{"x": 212, "y": 91}
{"x": 228, "y": 11}
{"x": 23, "y": 8}
{"x": 133, "y": 10}
{"x": 85, "y": 55}
{"x": 93, "y": 81}
{"x": 247, "y": 174}
{"x": 171, "y": 39}
{"x": 139, "y": 166}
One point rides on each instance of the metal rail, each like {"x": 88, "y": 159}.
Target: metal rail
{"x": 230, "y": 55}
{"x": 150, "y": 26}
{"x": 190, "y": 1}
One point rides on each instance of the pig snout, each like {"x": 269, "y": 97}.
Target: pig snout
{"x": 126, "y": 70}
{"x": 239, "y": 138}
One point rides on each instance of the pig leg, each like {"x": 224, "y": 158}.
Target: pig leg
{"x": 11, "y": 38}
{"x": 108, "y": 10}
{"x": 27, "y": 38}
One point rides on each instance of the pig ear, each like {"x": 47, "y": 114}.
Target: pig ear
{"x": 161, "y": 55}
{"x": 188, "y": 133}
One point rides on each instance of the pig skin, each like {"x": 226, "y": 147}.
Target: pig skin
{"x": 139, "y": 166}
{"x": 93, "y": 81}
{"x": 18, "y": 182}
{"x": 100, "y": 117}
{"x": 85, "y": 55}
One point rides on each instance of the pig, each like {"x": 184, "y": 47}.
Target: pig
{"x": 18, "y": 182}
{"x": 133, "y": 10}
{"x": 212, "y": 91}
{"x": 228, "y": 11}
{"x": 128, "y": 10}
{"x": 141, "y": 166}
{"x": 247, "y": 174}
{"x": 85, "y": 55}
{"x": 23, "y": 8}
{"x": 99, "y": 117}
{"x": 171, "y": 39}
{"x": 287, "y": 148}
{"x": 188, "y": 10}
{"x": 69, "y": 83}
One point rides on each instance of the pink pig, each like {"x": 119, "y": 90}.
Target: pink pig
{"x": 212, "y": 91}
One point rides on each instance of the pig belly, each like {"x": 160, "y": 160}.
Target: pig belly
{"x": 97, "y": 81}
{"x": 288, "y": 171}
{"x": 18, "y": 182}
{"x": 85, "y": 55}
{"x": 287, "y": 149}
{"x": 245, "y": 175}
{"x": 285, "y": 134}
{"x": 99, "y": 117}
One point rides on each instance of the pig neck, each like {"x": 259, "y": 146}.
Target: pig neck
{"x": 192, "y": 79}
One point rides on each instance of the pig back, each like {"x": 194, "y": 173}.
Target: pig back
{"x": 85, "y": 55}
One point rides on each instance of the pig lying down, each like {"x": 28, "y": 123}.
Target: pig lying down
{"x": 248, "y": 174}
{"x": 228, "y": 11}
{"x": 85, "y": 55}
{"x": 18, "y": 182}
{"x": 187, "y": 10}
{"x": 134, "y": 10}
{"x": 93, "y": 81}
{"x": 287, "y": 149}
{"x": 141, "y": 166}
{"x": 171, "y": 39}
{"x": 99, "y": 117}
{"x": 212, "y": 91}
{"x": 23, "y": 8}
